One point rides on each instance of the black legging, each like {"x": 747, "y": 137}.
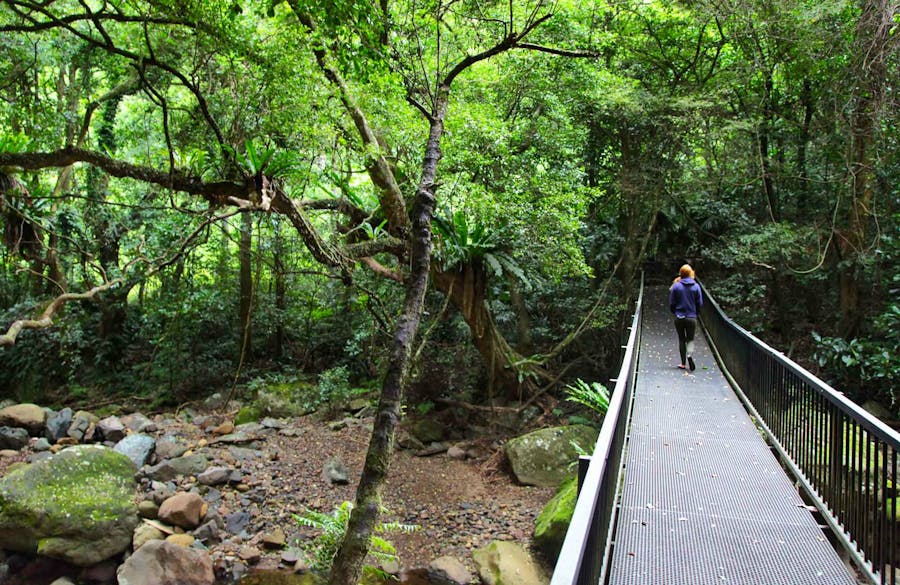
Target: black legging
{"x": 686, "y": 328}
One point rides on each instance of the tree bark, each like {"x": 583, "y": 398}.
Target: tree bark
{"x": 245, "y": 257}
{"x": 348, "y": 562}
{"x": 467, "y": 287}
{"x": 874, "y": 42}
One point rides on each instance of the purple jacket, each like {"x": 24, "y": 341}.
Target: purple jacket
{"x": 685, "y": 298}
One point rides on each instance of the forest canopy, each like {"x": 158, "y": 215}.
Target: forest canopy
{"x": 460, "y": 195}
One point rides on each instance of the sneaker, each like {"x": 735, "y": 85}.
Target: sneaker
{"x": 691, "y": 363}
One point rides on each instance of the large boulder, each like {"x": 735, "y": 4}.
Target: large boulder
{"x": 25, "y": 416}
{"x": 163, "y": 563}
{"x": 546, "y": 457}
{"x": 553, "y": 521}
{"x": 76, "y": 506}
{"x": 507, "y": 563}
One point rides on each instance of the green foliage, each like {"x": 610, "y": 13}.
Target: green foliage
{"x": 332, "y": 528}
{"x": 334, "y": 386}
{"x": 13, "y": 143}
{"x": 593, "y": 395}
{"x": 865, "y": 367}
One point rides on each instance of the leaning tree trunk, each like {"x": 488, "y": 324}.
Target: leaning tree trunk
{"x": 466, "y": 287}
{"x": 348, "y": 563}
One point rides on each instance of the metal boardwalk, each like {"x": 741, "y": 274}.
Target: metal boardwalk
{"x": 705, "y": 501}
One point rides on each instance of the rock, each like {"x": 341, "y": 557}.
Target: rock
{"x": 553, "y": 521}
{"x": 225, "y": 428}
{"x": 41, "y": 444}
{"x": 163, "y": 563}
{"x": 188, "y": 465}
{"x": 138, "y": 423}
{"x": 507, "y": 563}
{"x": 148, "y": 509}
{"x": 170, "y": 447}
{"x": 336, "y": 472}
{"x": 160, "y": 492}
{"x": 428, "y": 430}
{"x": 184, "y": 540}
{"x": 546, "y": 457}
{"x": 448, "y": 571}
{"x": 30, "y": 417}
{"x": 271, "y": 423}
{"x": 457, "y": 453}
{"x": 247, "y": 414}
{"x": 274, "y": 539}
{"x": 63, "y": 581}
{"x": 208, "y": 532}
{"x": 112, "y": 429}
{"x": 58, "y": 424}
{"x": 104, "y": 572}
{"x": 77, "y": 506}
{"x": 182, "y": 509}
{"x": 409, "y": 442}
{"x": 137, "y": 447}
{"x": 9, "y": 452}
{"x": 82, "y": 426}
{"x": 13, "y": 438}
{"x": 236, "y": 522}
{"x": 249, "y": 554}
{"x": 358, "y": 404}
{"x": 432, "y": 449}
{"x": 290, "y": 556}
{"x": 215, "y": 476}
{"x": 144, "y": 533}
{"x": 236, "y": 438}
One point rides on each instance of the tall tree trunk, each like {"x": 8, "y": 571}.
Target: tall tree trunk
{"x": 245, "y": 256}
{"x": 347, "y": 567}
{"x": 280, "y": 291}
{"x": 874, "y": 42}
{"x": 524, "y": 341}
{"x": 802, "y": 143}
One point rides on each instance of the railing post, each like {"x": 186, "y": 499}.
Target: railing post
{"x": 584, "y": 462}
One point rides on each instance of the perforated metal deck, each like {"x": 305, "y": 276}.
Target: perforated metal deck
{"x": 705, "y": 502}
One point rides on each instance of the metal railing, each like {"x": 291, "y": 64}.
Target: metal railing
{"x": 845, "y": 458}
{"x": 584, "y": 557}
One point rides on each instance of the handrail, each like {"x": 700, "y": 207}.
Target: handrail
{"x": 583, "y": 559}
{"x": 845, "y": 458}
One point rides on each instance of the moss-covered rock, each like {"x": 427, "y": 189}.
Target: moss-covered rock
{"x": 248, "y": 414}
{"x": 546, "y": 457}
{"x": 507, "y": 563}
{"x": 285, "y": 399}
{"x": 76, "y": 506}
{"x": 553, "y": 521}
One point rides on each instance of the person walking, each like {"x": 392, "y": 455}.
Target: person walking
{"x": 685, "y": 300}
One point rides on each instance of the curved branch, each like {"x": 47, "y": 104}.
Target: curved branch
{"x": 46, "y": 318}
{"x": 217, "y": 192}
{"x": 559, "y": 52}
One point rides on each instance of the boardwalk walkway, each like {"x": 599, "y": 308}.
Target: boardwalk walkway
{"x": 705, "y": 502}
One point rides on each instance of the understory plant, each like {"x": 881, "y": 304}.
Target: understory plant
{"x": 593, "y": 395}
{"x": 324, "y": 547}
